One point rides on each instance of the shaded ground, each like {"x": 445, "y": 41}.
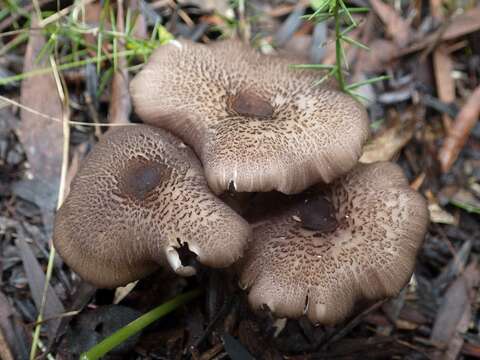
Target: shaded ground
{"x": 432, "y": 55}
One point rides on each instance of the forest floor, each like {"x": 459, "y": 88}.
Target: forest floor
{"x": 424, "y": 117}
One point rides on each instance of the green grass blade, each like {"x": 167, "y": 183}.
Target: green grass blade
{"x": 357, "y": 96}
{"x": 348, "y": 29}
{"x": 312, "y": 66}
{"x": 354, "y": 42}
{"x": 346, "y": 12}
{"x": 325, "y": 77}
{"x": 358, "y": 10}
{"x": 466, "y": 206}
{"x": 21, "y": 38}
{"x": 72, "y": 65}
{"x": 135, "y": 326}
{"x": 366, "y": 82}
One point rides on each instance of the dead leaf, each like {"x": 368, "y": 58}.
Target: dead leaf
{"x": 290, "y": 25}
{"x": 460, "y": 25}
{"x": 36, "y": 280}
{"x": 140, "y": 28}
{"x": 299, "y": 46}
{"x": 443, "y": 67}
{"x": 120, "y": 104}
{"x": 92, "y": 19}
{"x": 12, "y": 329}
{"x": 440, "y": 216}
{"x": 471, "y": 349}
{"x": 5, "y": 353}
{"x": 385, "y": 146}
{"x": 417, "y": 183}
{"x": 465, "y": 199}
{"x": 455, "y": 313}
{"x": 220, "y": 6}
{"x": 14, "y": 16}
{"x": 436, "y": 7}
{"x": 380, "y": 54}
{"x": 397, "y": 27}
{"x": 78, "y": 154}
{"x": 122, "y": 292}
{"x": 42, "y": 139}
{"x": 460, "y": 131}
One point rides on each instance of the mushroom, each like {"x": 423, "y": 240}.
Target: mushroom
{"x": 139, "y": 197}
{"x": 255, "y": 123}
{"x": 337, "y": 244}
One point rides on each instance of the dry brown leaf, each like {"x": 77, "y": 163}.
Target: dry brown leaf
{"x": 41, "y": 139}
{"x": 436, "y": 7}
{"x": 92, "y": 19}
{"x": 460, "y": 25}
{"x": 436, "y": 213}
{"x": 221, "y": 6}
{"x": 460, "y": 131}
{"x": 418, "y": 182}
{"x": 441, "y": 216}
{"x": 122, "y": 292}
{"x": 299, "y": 46}
{"x": 397, "y": 27}
{"x": 36, "y": 280}
{"x": 471, "y": 349}
{"x": 78, "y": 154}
{"x": 465, "y": 197}
{"x": 10, "y": 326}
{"x": 390, "y": 142}
{"x": 443, "y": 67}
{"x": 140, "y": 28}
{"x": 380, "y": 54}
{"x": 120, "y": 104}
{"x": 455, "y": 313}
{"x": 5, "y": 353}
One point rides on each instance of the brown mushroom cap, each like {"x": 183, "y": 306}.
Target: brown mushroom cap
{"x": 138, "y": 196}
{"x": 255, "y": 123}
{"x": 321, "y": 269}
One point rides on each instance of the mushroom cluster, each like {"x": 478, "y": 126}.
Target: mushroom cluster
{"x": 319, "y": 231}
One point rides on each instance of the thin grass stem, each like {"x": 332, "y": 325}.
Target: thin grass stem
{"x": 137, "y": 325}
